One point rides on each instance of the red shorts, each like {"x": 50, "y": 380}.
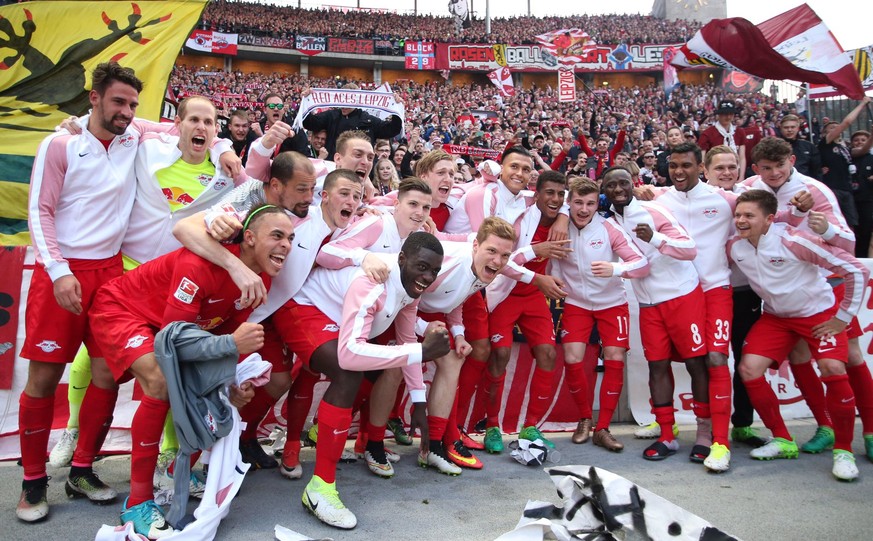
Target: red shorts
{"x": 675, "y": 327}
{"x": 719, "y": 314}
{"x": 123, "y": 337}
{"x": 274, "y": 350}
{"x": 774, "y": 337}
{"x": 304, "y": 329}
{"x": 853, "y": 329}
{"x": 534, "y": 318}
{"x": 612, "y": 325}
{"x": 53, "y": 335}
{"x": 475, "y": 316}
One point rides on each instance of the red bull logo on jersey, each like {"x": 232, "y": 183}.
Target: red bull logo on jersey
{"x": 176, "y": 197}
{"x": 204, "y": 179}
{"x": 126, "y": 140}
{"x": 208, "y": 324}
{"x": 186, "y": 291}
{"x": 777, "y": 261}
{"x": 710, "y": 213}
{"x": 596, "y": 244}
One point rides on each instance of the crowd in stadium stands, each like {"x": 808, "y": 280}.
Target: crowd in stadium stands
{"x": 283, "y": 22}
{"x": 477, "y": 115}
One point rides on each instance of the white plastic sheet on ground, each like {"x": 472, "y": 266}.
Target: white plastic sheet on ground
{"x": 598, "y": 504}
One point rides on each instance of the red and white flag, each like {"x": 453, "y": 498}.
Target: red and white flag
{"x": 795, "y": 45}
{"x": 502, "y": 79}
{"x": 566, "y": 85}
{"x": 568, "y": 45}
{"x": 212, "y": 42}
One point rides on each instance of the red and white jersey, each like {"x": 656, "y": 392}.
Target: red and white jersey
{"x": 784, "y": 272}
{"x": 519, "y": 271}
{"x": 439, "y": 214}
{"x": 181, "y": 286}
{"x": 838, "y": 234}
{"x": 81, "y": 195}
{"x": 600, "y": 240}
{"x": 707, "y": 214}
{"x": 670, "y": 252}
{"x": 483, "y": 200}
{"x": 310, "y": 234}
{"x": 454, "y": 284}
{"x": 363, "y": 310}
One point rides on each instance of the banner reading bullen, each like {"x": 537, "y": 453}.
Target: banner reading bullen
{"x": 47, "y": 75}
{"x": 566, "y": 85}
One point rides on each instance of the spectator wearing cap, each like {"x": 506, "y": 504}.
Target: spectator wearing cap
{"x": 723, "y": 132}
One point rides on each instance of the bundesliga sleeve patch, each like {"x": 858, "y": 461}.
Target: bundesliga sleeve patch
{"x": 186, "y": 291}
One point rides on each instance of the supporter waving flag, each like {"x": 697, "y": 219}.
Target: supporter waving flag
{"x": 569, "y": 45}
{"x": 795, "y": 45}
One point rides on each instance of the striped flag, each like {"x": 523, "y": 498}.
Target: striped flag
{"x": 568, "y": 45}
{"x": 795, "y": 45}
{"x": 502, "y": 79}
{"x": 862, "y": 59}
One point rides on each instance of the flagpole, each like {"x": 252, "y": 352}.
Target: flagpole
{"x": 808, "y": 97}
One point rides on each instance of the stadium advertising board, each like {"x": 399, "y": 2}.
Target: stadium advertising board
{"x": 480, "y": 57}
{"x": 350, "y": 46}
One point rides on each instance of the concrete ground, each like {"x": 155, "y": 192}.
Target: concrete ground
{"x": 785, "y": 499}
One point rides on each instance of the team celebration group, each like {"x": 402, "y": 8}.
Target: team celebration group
{"x": 301, "y": 257}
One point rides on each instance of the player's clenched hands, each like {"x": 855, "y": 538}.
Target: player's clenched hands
{"x": 249, "y": 338}
{"x": 462, "y": 347}
{"x": 829, "y": 328}
{"x": 818, "y": 222}
{"x": 242, "y": 395}
{"x": 644, "y": 232}
{"x": 436, "y": 341}
{"x": 602, "y": 269}
{"x": 68, "y": 293}
{"x": 802, "y": 201}
{"x": 552, "y": 249}
{"x": 223, "y": 227}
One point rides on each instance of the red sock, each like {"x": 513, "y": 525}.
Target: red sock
{"x": 195, "y": 456}
{"x": 541, "y": 395}
{"x": 701, "y": 410}
{"x": 452, "y": 434}
{"x": 841, "y": 405}
{"x": 862, "y": 386}
{"x": 577, "y": 383}
{"x": 93, "y": 427}
{"x": 296, "y": 409}
{"x": 810, "y": 387}
{"x": 145, "y": 433}
{"x": 333, "y": 429}
{"x": 468, "y": 381}
{"x": 34, "y": 428}
{"x": 478, "y": 404}
{"x": 375, "y": 433}
{"x": 436, "y": 427}
{"x": 254, "y": 412}
{"x": 665, "y": 419}
{"x": 720, "y": 403}
{"x": 610, "y": 391}
{"x": 493, "y": 396}
{"x": 764, "y": 401}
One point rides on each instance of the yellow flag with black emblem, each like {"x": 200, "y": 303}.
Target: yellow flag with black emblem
{"x": 47, "y": 53}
